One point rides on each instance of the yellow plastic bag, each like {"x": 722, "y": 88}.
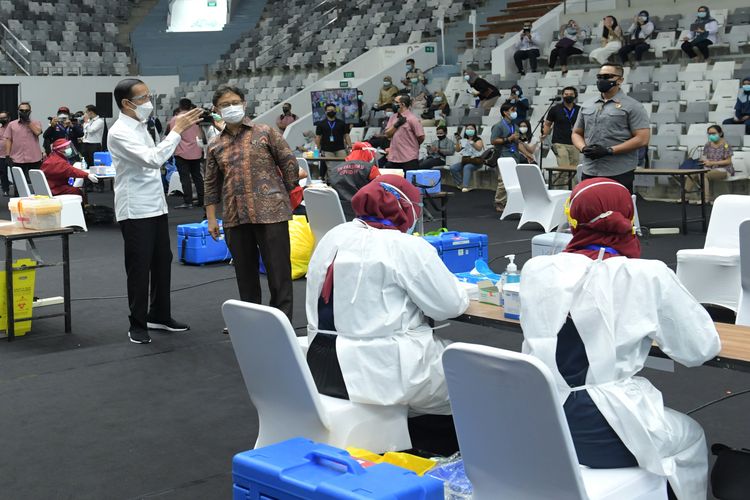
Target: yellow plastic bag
{"x": 416, "y": 464}
{"x": 302, "y": 241}
{"x": 23, "y": 296}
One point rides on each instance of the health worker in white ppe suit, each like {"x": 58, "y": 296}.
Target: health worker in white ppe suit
{"x": 370, "y": 287}
{"x": 591, "y": 314}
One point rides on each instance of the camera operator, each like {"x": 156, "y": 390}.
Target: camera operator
{"x": 60, "y": 127}
{"x": 527, "y": 47}
{"x": 189, "y": 157}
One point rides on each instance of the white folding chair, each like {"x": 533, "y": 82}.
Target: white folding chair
{"x": 636, "y": 219}
{"x": 514, "y": 204}
{"x": 712, "y": 273}
{"x": 22, "y": 187}
{"x": 541, "y": 205}
{"x": 72, "y": 208}
{"x": 324, "y": 210}
{"x": 283, "y": 391}
{"x": 304, "y": 166}
{"x": 514, "y": 437}
{"x": 743, "y": 311}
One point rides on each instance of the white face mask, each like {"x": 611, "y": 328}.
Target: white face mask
{"x": 523, "y": 130}
{"x": 233, "y": 114}
{"x": 143, "y": 111}
{"x": 68, "y": 152}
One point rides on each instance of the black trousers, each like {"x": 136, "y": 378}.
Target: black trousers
{"x": 4, "y": 174}
{"x": 639, "y": 49}
{"x": 148, "y": 259}
{"x": 88, "y": 149}
{"x": 521, "y": 55}
{"x": 408, "y": 165}
{"x": 244, "y": 241}
{"x": 190, "y": 169}
{"x": 625, "y": 179}
{"x": 432, "y": 162}
{"x": 702, "y": 46}
{"x": 563, "y": 53}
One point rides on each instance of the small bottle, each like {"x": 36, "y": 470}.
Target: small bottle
{"x": 316, "y": 152}
{"x": 511, "y": 290}
{"x": 84, "y": 165}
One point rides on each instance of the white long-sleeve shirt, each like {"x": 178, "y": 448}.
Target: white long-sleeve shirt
{"x": 524, "y": 43}
{"x": 139, "y": 192}
{"x": 93, "y": 130}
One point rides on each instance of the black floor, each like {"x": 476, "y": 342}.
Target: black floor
{"x": 90, "y": 415}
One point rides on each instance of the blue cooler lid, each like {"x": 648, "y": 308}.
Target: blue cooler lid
{"x": 195, "y": 229}
{"x": 451, "y": 240}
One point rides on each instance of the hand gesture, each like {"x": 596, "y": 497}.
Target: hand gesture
{"x": 93, "y": 178}
{"x": 513, "y": 137}
{"x": 213, "y": 229}
{"x": 187, "y": 120}
{"x": 400, "y": 121}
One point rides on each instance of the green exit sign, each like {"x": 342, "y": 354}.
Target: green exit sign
{"x": 429, "y": 49}
{"x": 348, "y": 74}
{"x": 344, "y": 85}
{"x": 212, "y": 3}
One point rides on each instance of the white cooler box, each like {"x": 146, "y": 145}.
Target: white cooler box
{"x": 549, "y": 243}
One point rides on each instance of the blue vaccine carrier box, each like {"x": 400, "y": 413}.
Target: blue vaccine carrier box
{"x": 196, "y": 246}
{"x": 426, "y": 180}
{"x": 459, "y": 250}
{"x": 299, "y": 469}
{"x": 103, "y": 158}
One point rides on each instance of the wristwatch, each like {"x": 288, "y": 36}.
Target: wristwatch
{"x": 610, "y": 151}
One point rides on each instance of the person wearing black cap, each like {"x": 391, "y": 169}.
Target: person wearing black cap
{"x": 636, "y": 40}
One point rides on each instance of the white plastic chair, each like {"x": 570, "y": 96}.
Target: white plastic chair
{"x": 304, "y": 166}
{"x": 743, "y": 311}
{"x": 22, "y": 187}
{"x": 514, "y": 437}
{"x": 72, "y": 208}
{"x": 283, "y": 391}
{"x": 514, "y": 203}
{"x": 324, "y": 210}
{"x": 636, "y": 219}
{"x": 712, "y": 273}
{"x": 541, "y": 205}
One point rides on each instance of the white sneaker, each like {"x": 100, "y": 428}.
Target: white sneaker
{"x": 466, "y": 190}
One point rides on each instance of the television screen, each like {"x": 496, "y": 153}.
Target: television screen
{"x": 345, "y": 101}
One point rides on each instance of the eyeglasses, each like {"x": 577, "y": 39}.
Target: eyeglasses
{"x": 141, "y": 98}
{"x": 225, "y": 105}
{"x": 607, "y": 76}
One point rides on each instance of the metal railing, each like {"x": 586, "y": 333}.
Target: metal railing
{"x": 15, "y": 49}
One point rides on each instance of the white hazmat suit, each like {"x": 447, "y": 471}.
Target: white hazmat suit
{"x": 619, "y": 307}
{"x": 385, "y": 282}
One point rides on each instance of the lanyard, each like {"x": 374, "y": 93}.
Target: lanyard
{"x": 331, "y": 125}
{"x": 597, "y": 248}
{"x": 370, "y": 218}
{"x": 512, "y": 128}
{"x": 569, "y": 115}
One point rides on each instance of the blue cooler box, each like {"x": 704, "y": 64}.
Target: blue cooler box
{"x": 196, "y": 246}
{"x": 459, "y": 250}
{"x": 102, "y": 158}
{"x": 301, "y": 469}
{"x": 421, "y": 178}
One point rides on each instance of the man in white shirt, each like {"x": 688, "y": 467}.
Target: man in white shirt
{"x": 93, "y": 130}
{"x": 527, "y": 47}
{"x": 141, "y": 209}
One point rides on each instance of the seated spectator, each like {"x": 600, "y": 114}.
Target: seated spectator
{"x": 702, "y": 34}
{"x": 568, "y": 45}
{"x": 286, "y": 118}
{"x": 528, "y": 146}
{"x": 471, "y": 148}
{"x": 592, "y": 321}
{"x": 58, "y": 169}
{"x": 742, "y": 107}
{"x": 420, "y": 97}
{"x": 438, "y": 110}
{"x": 439, "y": 150}
{"x": 370, "y": 289}
{"x": 386, "y": 95}
{"x": 527, "y": 47}
{"x": 637, "y": 39}
{"x": 309, "y": 143}
{"x": 484, "y": 90}
{"x": 520, "y": 102}
{"x": 717, "y": 157}
{"x": 611, "y": 41}
{"x": 412, "y": 73}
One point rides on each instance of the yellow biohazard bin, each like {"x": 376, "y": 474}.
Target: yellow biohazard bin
{"x": 23, "y": 296}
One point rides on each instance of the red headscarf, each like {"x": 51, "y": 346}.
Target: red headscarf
{"x": 382, "y": 207}
{"x": 362, "y": 151}
{"x": 592, "y": 199}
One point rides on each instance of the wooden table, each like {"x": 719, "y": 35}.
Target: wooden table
{"x": 678, "y": 174}
{"x": 735, "y": 340}
{"x": 10, "y": 233}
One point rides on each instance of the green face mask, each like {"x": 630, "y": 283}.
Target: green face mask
{"x": 713, "y": 137}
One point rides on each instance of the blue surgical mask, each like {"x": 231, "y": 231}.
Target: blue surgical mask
{"x": 701, "y": 14}
{"x": 571, "y": 30}
{"x": 713, "y": 137}
{"x": 746, "y": 88}
{"x": 359, "y": 97}
{"x": 409, "y": 67}
{"x": 467, "y": 77}
{"x": 470, "y": 132}
{"x": 438, "y": 99}
{"x": 513, "y": 115}
{"x": 68, "y": 152}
